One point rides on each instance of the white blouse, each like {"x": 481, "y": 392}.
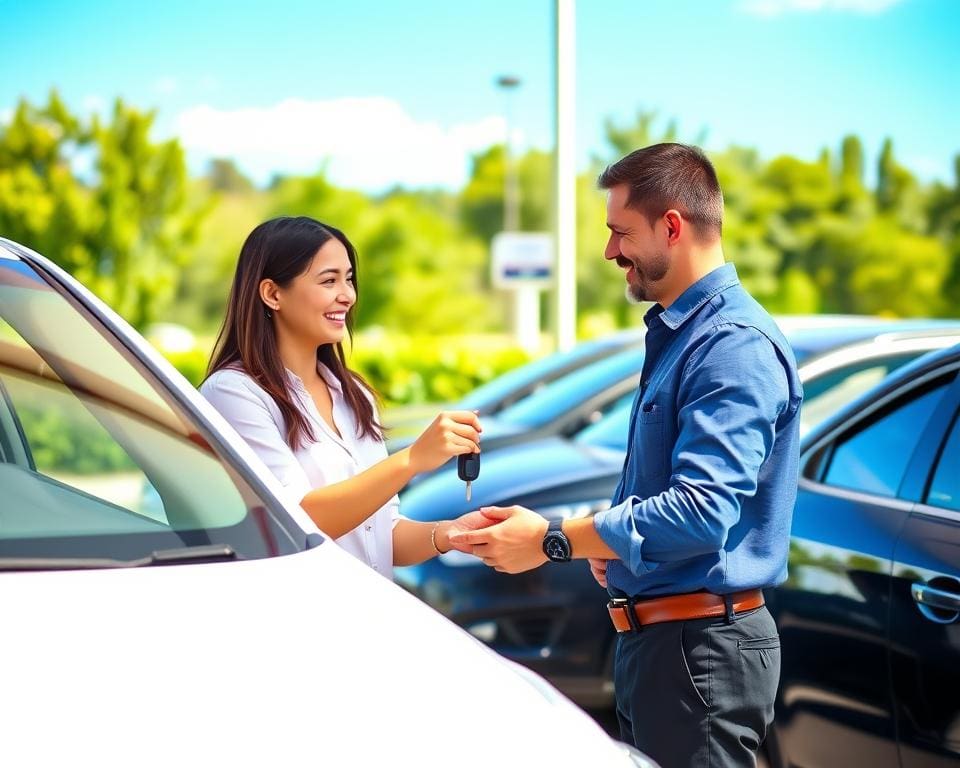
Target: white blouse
{"x": 329, "y": 459}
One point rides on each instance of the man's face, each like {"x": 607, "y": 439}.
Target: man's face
{"x": 635, "y": 246}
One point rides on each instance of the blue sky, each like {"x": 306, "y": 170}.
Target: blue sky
{"x": 389, "y": 92}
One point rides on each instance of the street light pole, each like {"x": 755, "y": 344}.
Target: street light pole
{"x": 565, "y": 303}
{"x": 526, "y": 298}
{"x": 511, "y": 189}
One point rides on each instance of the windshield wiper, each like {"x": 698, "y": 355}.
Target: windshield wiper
{"x": 206, "y": 553}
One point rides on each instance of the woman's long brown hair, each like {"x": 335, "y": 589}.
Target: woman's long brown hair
{"x": 280, "y": 250}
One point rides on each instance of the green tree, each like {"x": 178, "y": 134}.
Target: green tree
{"x": 898, "y": 193}
{"x": 418, "y": 269}
{"x": 482, "y": 198}
{"x": 101, "y": 199}
{"x": 224, "y": 176}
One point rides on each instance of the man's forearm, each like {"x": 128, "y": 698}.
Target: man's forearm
{"x": 585, "y": 541}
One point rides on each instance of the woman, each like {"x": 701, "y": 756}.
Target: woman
{"x": 278, "y": 374}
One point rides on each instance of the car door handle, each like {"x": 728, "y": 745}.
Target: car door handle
{"x": 925, "y": 595}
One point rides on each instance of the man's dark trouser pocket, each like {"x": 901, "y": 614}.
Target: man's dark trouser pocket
{"x": 701, "y": 692}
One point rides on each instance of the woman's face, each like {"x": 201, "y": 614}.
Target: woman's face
{"x": 314, "y": 305}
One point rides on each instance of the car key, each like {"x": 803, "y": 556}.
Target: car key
{"x": 468, "y": 469}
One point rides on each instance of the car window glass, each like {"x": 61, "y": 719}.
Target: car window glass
{"x": 520, "y": 382}
{"x": 96, "y": 457}
{"x": 945, "y": 487}
{"x": 611, "y": 431}
{"x": 575, "y": 388}
{"x": 68, "y": 444}
{"x": 824, "y": 395}
{"x": 874, "y": 458}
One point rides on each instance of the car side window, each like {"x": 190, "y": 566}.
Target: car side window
{"x": 945, "y": 487}
{"x": 826, "y": 394}
{"x": 874, "y": 457}
{"x": 66, "y": 443}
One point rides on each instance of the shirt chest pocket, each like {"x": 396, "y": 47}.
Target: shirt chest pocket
{"x": 650, "y": 451}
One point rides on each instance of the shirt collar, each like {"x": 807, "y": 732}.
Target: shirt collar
{"x": 696, "y": 296}
{"x": 325, "y": 373}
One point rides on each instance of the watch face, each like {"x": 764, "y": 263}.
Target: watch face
{"x": 556, "y": 547}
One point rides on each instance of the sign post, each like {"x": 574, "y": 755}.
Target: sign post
{"x": 522, "y": 262}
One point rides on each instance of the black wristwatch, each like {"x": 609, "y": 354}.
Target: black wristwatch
{"x": 556, "y": 545}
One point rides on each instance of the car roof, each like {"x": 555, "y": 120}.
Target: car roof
{"x": 926, "y": 364}
{"x": 811, "y": 341}
{"x": 830, "y": 344}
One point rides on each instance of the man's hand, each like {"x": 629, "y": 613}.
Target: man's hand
{"x": 599, "y": 570}
{"x": 472, "y": 521}
{"x": 512, "y": 544}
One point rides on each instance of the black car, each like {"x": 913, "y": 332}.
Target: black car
{"x": 869, "y": 614}
{"x": 554, "y": 619}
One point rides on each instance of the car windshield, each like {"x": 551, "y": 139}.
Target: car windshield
{"x": 611, "y": 430}
{"x": 97, "y": 459}
{"x": 538, "y": 373}
{"x": 557, "y": 398}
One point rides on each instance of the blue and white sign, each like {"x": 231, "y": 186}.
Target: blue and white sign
{"x": 522, "y": 260}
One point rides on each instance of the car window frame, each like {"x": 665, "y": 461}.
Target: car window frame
{"x": 138, "y": 354}
{"x": 919, "y": 469}
{"x": 951, "y": 402}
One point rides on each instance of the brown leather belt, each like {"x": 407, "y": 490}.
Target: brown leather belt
{"x": 693, "y": 605}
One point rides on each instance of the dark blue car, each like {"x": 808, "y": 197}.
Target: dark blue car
{"x": 554, "y": 618}
{"x": 869, "y": 614}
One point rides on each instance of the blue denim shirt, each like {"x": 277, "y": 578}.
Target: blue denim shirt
{"x": 710, "y": 477}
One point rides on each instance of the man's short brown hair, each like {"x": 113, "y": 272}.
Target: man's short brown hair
{"x": 665, "y": 176}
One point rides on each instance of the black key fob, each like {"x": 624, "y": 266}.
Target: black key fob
{"x": 468, "y": 466}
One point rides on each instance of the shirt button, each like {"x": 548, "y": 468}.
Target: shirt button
{"x": 369, "y": 527}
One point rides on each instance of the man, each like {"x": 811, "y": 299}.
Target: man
{"x": 700, "y": 521}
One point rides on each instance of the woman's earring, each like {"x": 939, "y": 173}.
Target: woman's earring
{"x": 267, "y": 312}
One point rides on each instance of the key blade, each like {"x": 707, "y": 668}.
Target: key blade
{"x": 468, "y": 489}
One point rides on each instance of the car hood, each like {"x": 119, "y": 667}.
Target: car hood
{"x": 508, "y": 473}
{"x": 305, "y": 659}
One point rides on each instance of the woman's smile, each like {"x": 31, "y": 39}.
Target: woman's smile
{"x": 337, "y": 318}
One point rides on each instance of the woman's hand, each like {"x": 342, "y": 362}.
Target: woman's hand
{"x": 472, "y": 521}
{"x": 450, "y": 434}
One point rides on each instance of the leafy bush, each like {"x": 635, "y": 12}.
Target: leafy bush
{"x": 192, "y": 363}
{"x": 407, "y": 370}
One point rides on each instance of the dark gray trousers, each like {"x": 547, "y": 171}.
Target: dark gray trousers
{"x": 699, "y": 693}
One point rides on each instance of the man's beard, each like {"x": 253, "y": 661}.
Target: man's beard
{"x": 656, "y": 269}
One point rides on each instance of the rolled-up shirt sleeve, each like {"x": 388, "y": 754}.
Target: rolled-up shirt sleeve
{"x": 733, "y": 391}
{"x": 248, "y": 414}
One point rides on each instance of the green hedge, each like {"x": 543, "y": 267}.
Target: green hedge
{"x": 408, "y": 370}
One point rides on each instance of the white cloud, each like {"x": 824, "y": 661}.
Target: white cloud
{"x": 778, "y": 7}
{"x": 366, "y": 143}
{"x": 6, "y": 115}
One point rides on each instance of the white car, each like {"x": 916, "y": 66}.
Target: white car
{"x": 207, "y": 621}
